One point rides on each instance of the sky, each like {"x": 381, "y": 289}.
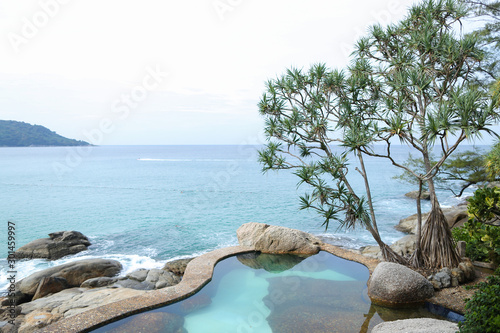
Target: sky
{"x": 154, "y": 72}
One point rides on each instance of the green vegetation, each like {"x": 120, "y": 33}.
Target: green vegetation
{"x": 458, "y": 172}
{"x": 482, "y": 311}
{"x": 20, "y": 134}
{"x": 493, "y": 161}
{"x": 481, "y": 236}
{"x": 410, "y": 82}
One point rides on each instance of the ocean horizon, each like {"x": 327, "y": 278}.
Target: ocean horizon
{"x": 146, "y": 205}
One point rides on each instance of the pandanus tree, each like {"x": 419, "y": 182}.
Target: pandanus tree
{"x": 305, "y": 114}
{"x": 412, "y": 83}
{"x": 425, "y": 73}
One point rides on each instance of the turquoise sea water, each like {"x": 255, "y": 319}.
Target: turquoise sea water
{"x": 145, "y": 205}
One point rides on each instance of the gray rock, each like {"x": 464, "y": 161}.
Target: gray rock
{"x": 138, "y": 275}
{"x": 414, "y": 195}
{"x": 98, "y": 282}
{"x": 177, "y": 266}
{"x": 134, "y": 284}
{"x": 75, "y": 273}
{"x": 148, "y": 279}
{"x": 154, "y": 275}
{"x": 392, "y": 284}
{"x": 270, "y": 262}
{"x": 468, "y": 269}
{"x": 455, "y": 216}
{"x": 76, "y": 300}
{"x": 443, "y": 278}
{"x": 50, "y": 285}
{"x": 458, "y": 274}
{"x": 404, "y": 246}
{"x": 419, "y": 325}
{"x": 275, "y": 239}
{"x": 167, "y": 279}
{"x": 59, "y": 244}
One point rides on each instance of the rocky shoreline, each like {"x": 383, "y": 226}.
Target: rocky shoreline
{"x": 86, "y": 292}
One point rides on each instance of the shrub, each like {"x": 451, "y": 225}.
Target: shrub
{"x": 482, "y": 311}
{"x": 483, "y": 240}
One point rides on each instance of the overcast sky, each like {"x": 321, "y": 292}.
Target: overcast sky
{"x": 166, "y": 72}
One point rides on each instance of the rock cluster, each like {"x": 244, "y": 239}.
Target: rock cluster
{"x": 148, "y": 279}
{"x": 447, "y": 277}
{"x": 275, "y": 239}
{"x": 59, "y": 244}
{"x": 65, "y": 290}
{"x": 392, "y": 284}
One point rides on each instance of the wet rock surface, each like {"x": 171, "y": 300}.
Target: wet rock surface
{"x": 59, "y": 244}
{"x": 270, "y": 262}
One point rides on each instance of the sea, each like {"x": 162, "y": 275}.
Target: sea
{"x": 146, "y": 205}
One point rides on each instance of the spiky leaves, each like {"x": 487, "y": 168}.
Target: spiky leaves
{"x": 424, "y": 78}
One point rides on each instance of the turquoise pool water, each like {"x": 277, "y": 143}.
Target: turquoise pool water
{"x": 273, "y": 293}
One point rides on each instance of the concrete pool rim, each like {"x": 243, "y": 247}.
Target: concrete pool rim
{"x": 198, "y": 273}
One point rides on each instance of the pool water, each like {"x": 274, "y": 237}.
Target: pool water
{"x": 266, "y": 293}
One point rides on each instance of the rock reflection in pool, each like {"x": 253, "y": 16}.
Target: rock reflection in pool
{"x": 256, "y": 292}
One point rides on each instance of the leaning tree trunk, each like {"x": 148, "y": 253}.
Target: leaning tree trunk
{"x": 416, "y": 259}
{"x": 437, "y": 244}
{"x": 387, "y": 252}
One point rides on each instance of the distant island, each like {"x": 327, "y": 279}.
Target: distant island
{"x": 21, "y": 134}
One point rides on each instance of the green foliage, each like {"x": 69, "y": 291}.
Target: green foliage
{"x": 483, "y": 240}
{"x": 20, "y": 134}
{"x": 459, "y": 172}
{"x": 484, "y": 206}
{"x": 493, "y": 161}
{"x": 482, "y": 311}
{"x": 413, "y": 82}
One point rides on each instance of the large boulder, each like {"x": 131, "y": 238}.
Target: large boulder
{"x": 403, "y": 246}
{"x": 418, "y": 325}
{"x": 275, "y": 239}
{"x": 59, "y": 244}
{"x": 456, "y": 216}
{"x": 393, "y": 284}
{"x": 50, "y": 285}
{"x": 414, "y": 195}
{"x": 74, "y": 273}
{"x": 177, "y": 266}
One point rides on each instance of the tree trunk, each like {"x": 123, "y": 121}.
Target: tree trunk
{"x": 416, "y": 259}
{"x": 387, "y": 252}
{"x": 438, "y": 247}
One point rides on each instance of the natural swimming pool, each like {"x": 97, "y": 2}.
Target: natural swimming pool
{"x": 273, "y": 293}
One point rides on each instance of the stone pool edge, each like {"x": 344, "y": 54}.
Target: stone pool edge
{"x": 198, "y": 273}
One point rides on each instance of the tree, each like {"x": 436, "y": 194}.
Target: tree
{"x": 458, "y": 172}
{"x": 425, "y": 75}
{"x": 302, "y": 111}
{"x": 492, "y": 162}
{"x": 413, "y": 82}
